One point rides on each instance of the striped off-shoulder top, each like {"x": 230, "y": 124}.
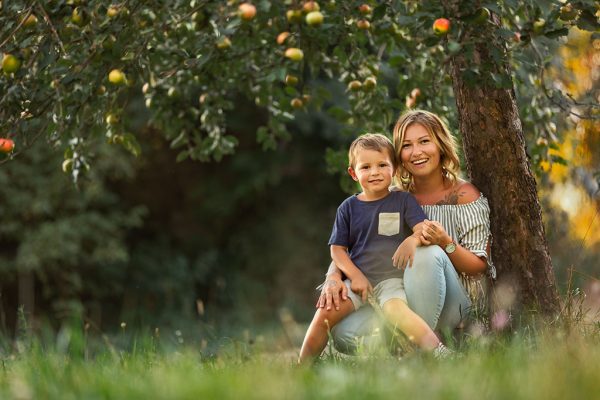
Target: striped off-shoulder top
{"x": 469, "y": 225}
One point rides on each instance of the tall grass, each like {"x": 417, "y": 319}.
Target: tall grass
{"x": 531, "y": 362}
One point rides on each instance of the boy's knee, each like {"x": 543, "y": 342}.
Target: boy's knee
{"x": 394, "y": 305}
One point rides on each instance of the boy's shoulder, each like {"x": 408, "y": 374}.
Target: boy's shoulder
{"x": 400, "y": 194}
{"x": 347, "y": 203}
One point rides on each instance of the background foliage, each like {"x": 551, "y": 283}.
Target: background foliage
{"x": 157, "y": 237}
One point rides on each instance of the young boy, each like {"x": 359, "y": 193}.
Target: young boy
{"x": 364, "y": 245}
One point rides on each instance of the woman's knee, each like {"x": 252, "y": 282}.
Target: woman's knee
{"x": 425, "y": 283}
{"x": 428, "y": 259}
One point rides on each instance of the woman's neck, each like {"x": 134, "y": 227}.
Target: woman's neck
{"x": 430, "y": 184}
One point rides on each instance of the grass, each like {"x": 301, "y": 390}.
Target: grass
{"x": 546, "y": 363}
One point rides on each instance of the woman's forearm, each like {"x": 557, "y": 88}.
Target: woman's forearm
{"x": 333, "y": 271}
{"x": 467, "y": 262}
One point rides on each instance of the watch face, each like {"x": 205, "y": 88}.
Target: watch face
{"x": 450, "y": 247}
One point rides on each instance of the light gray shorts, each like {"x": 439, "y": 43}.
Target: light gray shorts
{"x": 388, "y": 289}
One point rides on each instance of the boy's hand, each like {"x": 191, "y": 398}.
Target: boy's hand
{"x": 361, "y": 286}
{"x": 405, "y": 253}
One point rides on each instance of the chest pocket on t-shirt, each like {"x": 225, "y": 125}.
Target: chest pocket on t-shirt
{"x": 389, "y": 224}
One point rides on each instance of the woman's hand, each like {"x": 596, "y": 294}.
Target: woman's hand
{"x": 332, "y": 290}
{"x": 434, "y": 233}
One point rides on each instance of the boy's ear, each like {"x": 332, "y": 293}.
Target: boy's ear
{"x": 352, "y": 173}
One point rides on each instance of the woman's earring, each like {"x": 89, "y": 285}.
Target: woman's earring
{"x": 405, "y": 179}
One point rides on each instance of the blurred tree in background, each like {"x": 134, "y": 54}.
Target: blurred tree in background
{"x": 207, "y": 78}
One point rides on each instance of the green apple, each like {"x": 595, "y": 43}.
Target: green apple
{"x": 297, "y": 103}
{"x": 355, "y": 86}
{"x": 117, "y": 77}
{"x": 291, "y": 80}
{"x": 10, "y": 64}
{"x": 294, "y": 54}
{"x": 314, "y": 18}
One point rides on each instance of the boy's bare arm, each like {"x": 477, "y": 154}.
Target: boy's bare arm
{"x": 405, "y": 253}
{"x": 340, "y": 257}
{"x": 360, "y": 284}
{"x": 417, "y": 233}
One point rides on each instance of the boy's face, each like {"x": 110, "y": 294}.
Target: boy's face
{"x": 373, "y": 171}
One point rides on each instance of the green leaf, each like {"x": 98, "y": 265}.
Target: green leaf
{"x": 131, "y": 144}
{"x": 557, "y": 33}
{"x": 183, "y": 155}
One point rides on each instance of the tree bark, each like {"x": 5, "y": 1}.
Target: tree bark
{"x": 496, "y": 161}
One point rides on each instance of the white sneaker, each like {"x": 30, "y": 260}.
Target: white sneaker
{"x": 442, "y": 352}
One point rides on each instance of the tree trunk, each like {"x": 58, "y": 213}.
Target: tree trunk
{"x": 497, "y": 164}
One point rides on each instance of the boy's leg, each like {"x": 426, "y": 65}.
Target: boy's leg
{"x": 414, "y": 327}
{"x": 317, "y": 333}
{"x": 390, "y": 294}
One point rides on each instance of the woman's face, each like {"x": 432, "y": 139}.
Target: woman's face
{"x": 419, "y": 154}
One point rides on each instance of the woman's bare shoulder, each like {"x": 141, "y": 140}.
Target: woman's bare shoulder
{"x": 466, "y": 192}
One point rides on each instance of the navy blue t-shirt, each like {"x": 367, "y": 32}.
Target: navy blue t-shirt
{"x": 373, "y": 230}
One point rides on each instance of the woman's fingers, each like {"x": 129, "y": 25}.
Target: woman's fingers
{"x": 336, "y": 300}
{"x": 320, "y": 301}
{"x": 424, "y": 240}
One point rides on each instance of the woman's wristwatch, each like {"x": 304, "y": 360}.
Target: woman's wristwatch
{"x": 450, "y": 247}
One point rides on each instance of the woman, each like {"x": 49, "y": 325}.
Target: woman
{"x": 445, "y": 279}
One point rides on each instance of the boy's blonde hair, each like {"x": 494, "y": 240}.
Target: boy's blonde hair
{"x": 439, "y": 134}
{"x": 371, "y": 141}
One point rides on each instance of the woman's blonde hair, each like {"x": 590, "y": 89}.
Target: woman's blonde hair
{"x": 440, "y": 135}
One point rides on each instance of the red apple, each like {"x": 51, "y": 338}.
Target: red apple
{"x": 441, "y": 26}
{"x": 365, "y": 9}
{"x": 282, "y": 37}
{"x": 6, "y": 145}
{"x": 363, "y": 24}
{"x": 310, "y": 6}
{"x": 247, "y": 11}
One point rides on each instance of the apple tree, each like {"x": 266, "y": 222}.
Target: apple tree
{"x": 73, "y": 69}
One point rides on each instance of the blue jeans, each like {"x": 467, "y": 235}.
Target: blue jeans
{"x": 433, "y": 290}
